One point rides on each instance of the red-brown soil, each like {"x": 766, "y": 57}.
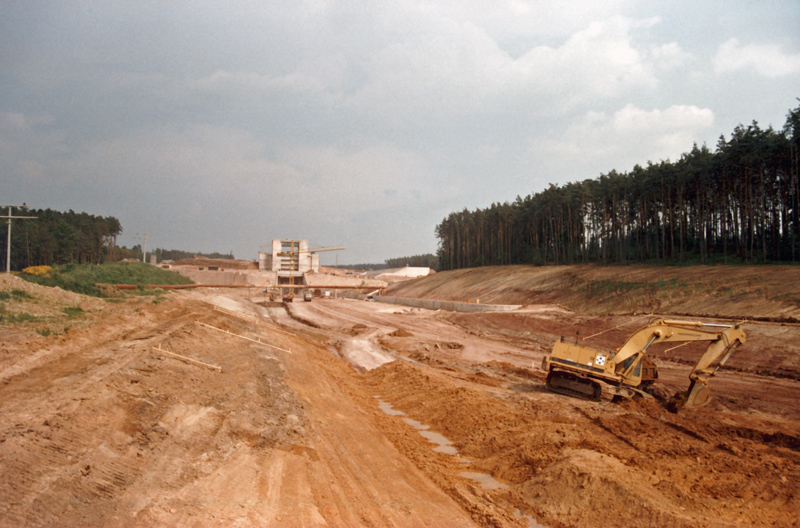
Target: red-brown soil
{"x": 99, "y": 428}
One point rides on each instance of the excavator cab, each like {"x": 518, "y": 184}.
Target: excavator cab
{"x": 643, "y": 371}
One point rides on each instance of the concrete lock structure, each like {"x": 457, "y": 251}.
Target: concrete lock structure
{"x": 289, "y": 258}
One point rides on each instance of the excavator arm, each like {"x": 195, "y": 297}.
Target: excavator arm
{"x": 662, "y": 331}
{"x": 723, "y": 340}
{"x": 623, "y": 367}
{"x": 714, "y": 357}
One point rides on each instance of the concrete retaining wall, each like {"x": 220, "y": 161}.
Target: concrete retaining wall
{"x": 452, "y": 306}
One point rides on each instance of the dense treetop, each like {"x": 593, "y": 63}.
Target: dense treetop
{"x": 59, "y": 237}
{"x": 56, "y": 237}
{"x": 739, "y": 203}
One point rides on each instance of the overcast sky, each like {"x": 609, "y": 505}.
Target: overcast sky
{"x": 218, "y": 126}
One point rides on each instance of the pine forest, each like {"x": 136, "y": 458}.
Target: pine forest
{"x": 738, "y": 203}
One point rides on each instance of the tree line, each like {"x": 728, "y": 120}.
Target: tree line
{"x": 739, "y": 203}
{"x": 136, "y": 253}
{"x": 55, "y": 238}
{"x": 427, "y": 260}
{"x": 59, "y": 238}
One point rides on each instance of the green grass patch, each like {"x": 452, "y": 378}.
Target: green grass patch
{"x": 85, "y": 278}
{"x": 73, "y": 311}
{"x": 15, "y": 295}
{"x": 20, "y": 318}
{"x": 607, "y": 287}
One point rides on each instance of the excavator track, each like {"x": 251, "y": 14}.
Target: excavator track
{"x": 568, "y": 384}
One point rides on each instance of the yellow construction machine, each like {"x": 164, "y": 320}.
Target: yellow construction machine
{"x": 585, "y": 372}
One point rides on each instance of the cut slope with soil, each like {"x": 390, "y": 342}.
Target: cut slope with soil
{"x": 274, "y": 421}
{"x": 743, "y": 292}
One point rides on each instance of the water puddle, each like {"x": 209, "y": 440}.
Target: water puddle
{"x": 486, "y": 481}
{"x": 419, "y": 426}
{"x": 531, "y": 521}
{"x": 443, "y": 445}
{"x": 387, "y": 408}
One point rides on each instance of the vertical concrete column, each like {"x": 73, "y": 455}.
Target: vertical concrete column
{"x": 276, "y": 260}
{"x": 304, "y": 257}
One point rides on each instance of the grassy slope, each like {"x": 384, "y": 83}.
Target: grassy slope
{"x": 771, "y": 292}
{"x": 85, "y": 278}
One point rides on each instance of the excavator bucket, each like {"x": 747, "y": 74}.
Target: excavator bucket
{"x": 699, "y": 395}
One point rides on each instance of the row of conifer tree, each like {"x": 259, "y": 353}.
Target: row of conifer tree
{"x": 739, "y": 203}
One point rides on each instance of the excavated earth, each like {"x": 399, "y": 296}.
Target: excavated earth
{"x": 206, "y": 408}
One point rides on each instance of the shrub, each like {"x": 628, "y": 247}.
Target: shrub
{"x": 37, "y": 270}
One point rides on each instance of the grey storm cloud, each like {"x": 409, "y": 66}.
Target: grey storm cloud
{"x": 218, "y": 127}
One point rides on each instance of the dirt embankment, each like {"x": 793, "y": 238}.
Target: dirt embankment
{"x": 473, "y": 378}
{"x": 576, "y": 463}
{"x": 740, "y": 292}
{"x": 99, "y": 428}
{"x": 108, "y": 424}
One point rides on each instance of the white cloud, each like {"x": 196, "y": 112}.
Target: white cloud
{"x": 599, "y": 61}
{"x": 768, "y": 60}
{"x": 452, "y": 68}
{"x": 669, "y": 56}
{"x": 311, "y": 113}
{"x": 629, "y": 136}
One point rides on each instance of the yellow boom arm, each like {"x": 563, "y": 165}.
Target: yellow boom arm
{"x": 724, "y": 339}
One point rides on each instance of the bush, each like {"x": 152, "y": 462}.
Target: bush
{"x": 37, "y": 270}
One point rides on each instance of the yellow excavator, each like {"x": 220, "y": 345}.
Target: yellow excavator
{"x": 629, "y": 372}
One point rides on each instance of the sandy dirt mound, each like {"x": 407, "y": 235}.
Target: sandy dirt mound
{"x": 106, "y": 425}
{"x": 590, "y": 479}
{"x": 271, "y": 424}
{"x": 45, "y": 300}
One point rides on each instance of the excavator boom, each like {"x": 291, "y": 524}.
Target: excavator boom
{"x": 578, "y": 370}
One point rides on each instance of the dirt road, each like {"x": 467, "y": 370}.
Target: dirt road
{"x": 351, "y": 413}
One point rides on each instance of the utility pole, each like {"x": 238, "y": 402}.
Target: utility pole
{"x": 8, "y": 244}
{"x": 144, "y": 247}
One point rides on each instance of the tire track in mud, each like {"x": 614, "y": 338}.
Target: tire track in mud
{"x": 48, "y": 463}
{"x": 115, "y": 434}
{"x": 95, "y": 430}
{"x": 367, "y": 482}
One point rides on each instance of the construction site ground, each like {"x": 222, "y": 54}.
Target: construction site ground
{"x": 209, "y": 408}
